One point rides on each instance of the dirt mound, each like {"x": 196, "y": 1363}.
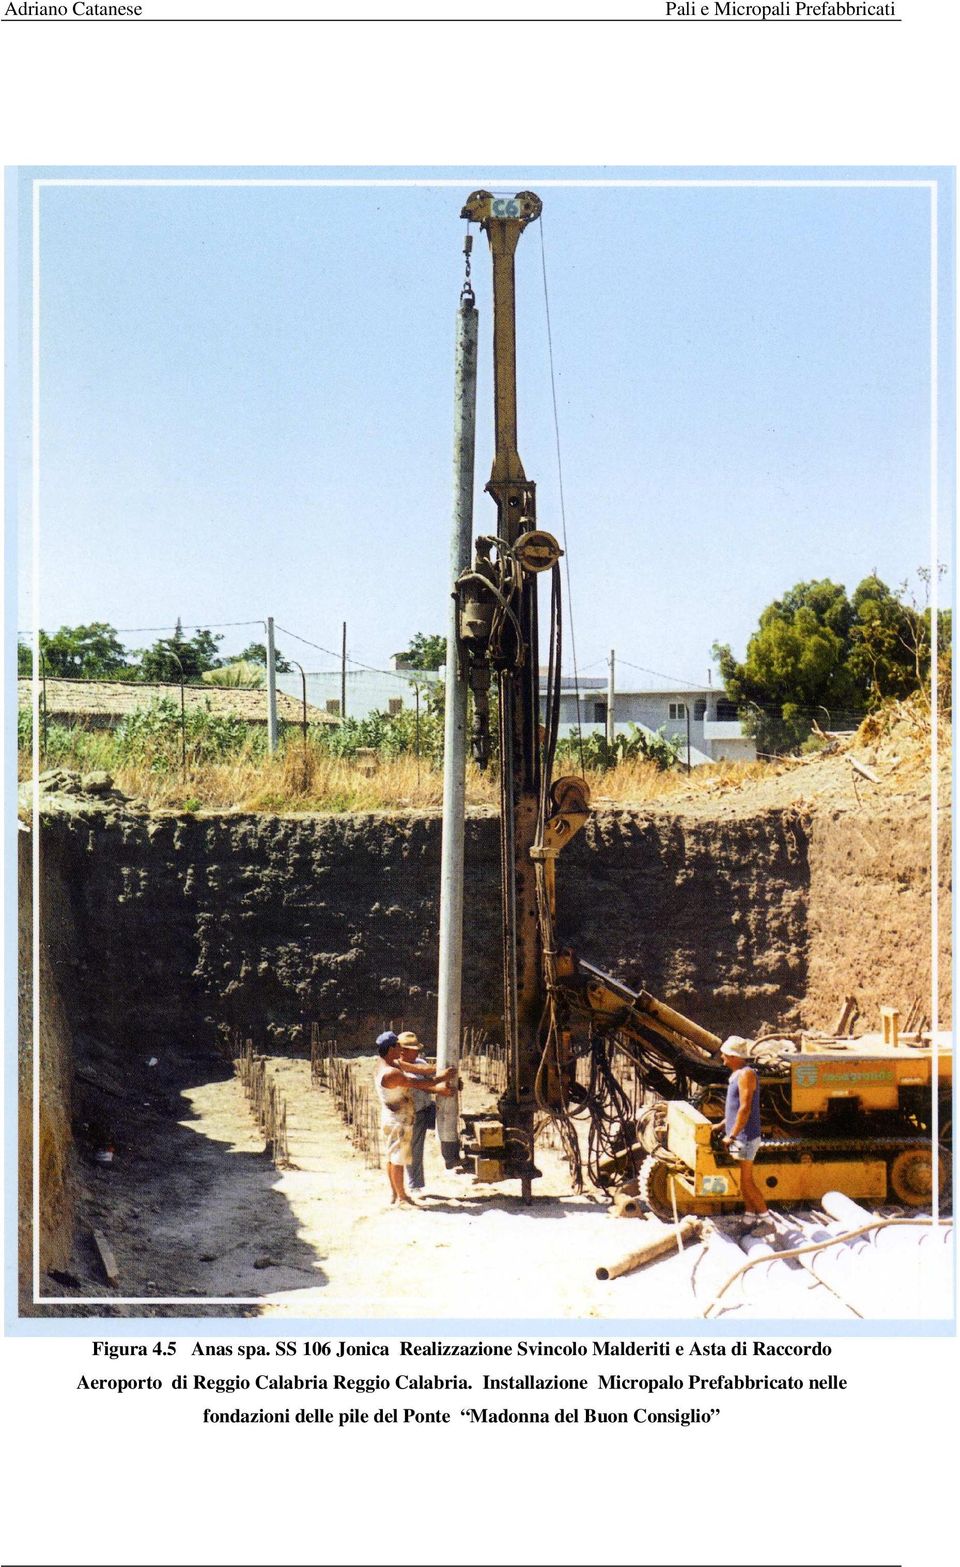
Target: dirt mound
{"x": 889, "y": 759}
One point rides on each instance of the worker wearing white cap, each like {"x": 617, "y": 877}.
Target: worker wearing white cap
{"x": 741, "y": 1121}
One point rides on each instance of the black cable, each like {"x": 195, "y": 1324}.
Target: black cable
{"x": 661, "y": 676}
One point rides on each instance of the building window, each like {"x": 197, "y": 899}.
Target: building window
{"x": 395, "y": 706}
{"x": 699, "y": 710}
{"x": 599, "y": 712}
{"x": 678, "y": 709}
{"x": 726, "y": 711}
{"x": 333, "y": 707}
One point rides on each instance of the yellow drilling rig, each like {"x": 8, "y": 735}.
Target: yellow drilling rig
{"x": 864, "y": 1116}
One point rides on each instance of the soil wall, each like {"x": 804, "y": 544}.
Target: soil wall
{"x": 57, "y": 1191}
{"x": 710, "y": 916}
{"x": 177, "y": 928}
{"x": 870, "y": 914}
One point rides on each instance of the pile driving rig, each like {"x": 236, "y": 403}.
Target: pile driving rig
{"x": 544, "y": 988}
{"x": 865, "y": 1129}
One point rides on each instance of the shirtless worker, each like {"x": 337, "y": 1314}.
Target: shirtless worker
{"x": 741, "y": 1121}
{"x": 395, "y": 1082}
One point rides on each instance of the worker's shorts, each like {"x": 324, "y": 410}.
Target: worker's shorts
{"x": 744, "y": 1149}
{"x": 397, "y": 1137}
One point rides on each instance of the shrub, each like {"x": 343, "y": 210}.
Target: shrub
{"x": 154, "y": 736}
{"x": 634, "y": 744}
{"x": 389, "y": 734}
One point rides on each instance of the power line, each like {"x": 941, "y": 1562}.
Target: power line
{"x": 393, "y": 674}
{"x": 693, "y": 684}
{"x": 206, "y": 625}
{"x": 218, "y": 625}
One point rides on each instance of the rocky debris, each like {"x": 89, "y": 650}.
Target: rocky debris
{"x": 96, "y": 783}
{"x": 73, "y": 790}
{"x": 68, "y": 781}
{"x": 60, "y": 780}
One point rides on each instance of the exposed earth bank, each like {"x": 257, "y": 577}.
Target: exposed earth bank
{"x": 747, "y": 908}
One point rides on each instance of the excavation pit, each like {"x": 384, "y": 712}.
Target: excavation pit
{"x": 163, "y": 935}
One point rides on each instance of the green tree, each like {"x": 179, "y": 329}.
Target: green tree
{"x": 944, "y": 642}
{"x": 256, "y": 653}
{"x": 819, "y": 656}
{"x": 24, "y": 658}
{"x": 944, "y": 657}
{"x": 425, "y": 652}
{"x": 796, "y": 667}
{"x": 172, "y": 656}
{"x": 889, "y": 643}
{"x": 84, "y": 652}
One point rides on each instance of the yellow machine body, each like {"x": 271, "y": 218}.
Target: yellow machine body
{"x": 710, "y": 1183}
{"x": 870, "y": 1071}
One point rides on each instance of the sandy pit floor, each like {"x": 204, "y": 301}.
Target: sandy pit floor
{"x": 195, "y": 1211}
{"x": 470, "y": 1250}
{"x": 202, "y": 1223}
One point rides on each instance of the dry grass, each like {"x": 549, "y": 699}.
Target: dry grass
{"x": 298, "y": 780}
{"x": 312, "y": 780}
{"x": 291, "y": 781}
{"x": 911, "y": 718}
{"x": 638, "y": 781}
{"x": 294, "y": 781}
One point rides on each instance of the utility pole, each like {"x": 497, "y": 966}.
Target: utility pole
{"x": 611, "y": 723}
{"x": 343, "y": 672}
{"x": 271, "y": 689}
{"x": 455, "y": 721}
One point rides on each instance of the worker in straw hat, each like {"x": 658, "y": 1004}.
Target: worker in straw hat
{"x": 394, "y": 1084}
{"x": 741, "y": 1121}
{"x": 424, "y": 1109}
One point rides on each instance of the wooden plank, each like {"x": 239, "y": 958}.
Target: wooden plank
{"x": 107, "y": 1259}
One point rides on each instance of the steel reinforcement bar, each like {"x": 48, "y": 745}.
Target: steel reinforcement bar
{"x": 351, "y": 1092}
{"x": 266, "y": 1102}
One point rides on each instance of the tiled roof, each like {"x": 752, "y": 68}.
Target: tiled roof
{"x": 74, "y": 699}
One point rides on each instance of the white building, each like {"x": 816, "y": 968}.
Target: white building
{"x": 368, "y": 690}
{"x": 702, "y": 715}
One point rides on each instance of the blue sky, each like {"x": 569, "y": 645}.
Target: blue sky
{"x": 246, "y": 406}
